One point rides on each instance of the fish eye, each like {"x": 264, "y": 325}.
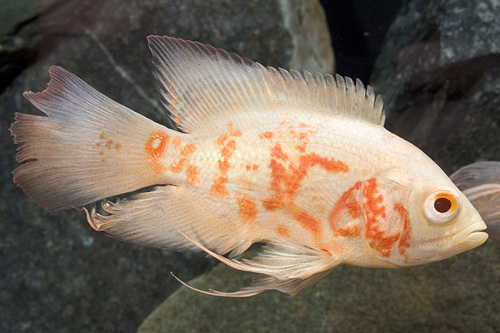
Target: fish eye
{"x": 442, "y": 206}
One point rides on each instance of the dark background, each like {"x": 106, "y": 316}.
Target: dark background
{"x": 357, "y": 29}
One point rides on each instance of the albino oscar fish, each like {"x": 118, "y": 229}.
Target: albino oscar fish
{"x": 300, "y": 162}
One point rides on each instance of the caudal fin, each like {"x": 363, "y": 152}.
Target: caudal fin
{"x": 86, "y": 148}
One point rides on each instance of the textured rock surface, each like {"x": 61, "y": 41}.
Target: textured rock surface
{"x": 439, "y": 74}
{"x": 58, "y": 274}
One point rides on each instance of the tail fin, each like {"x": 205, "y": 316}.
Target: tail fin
{"x": 86, "y": 148}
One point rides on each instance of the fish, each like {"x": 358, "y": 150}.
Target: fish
{"x": 297, "y": 162}
{"x": 480, "y": 182}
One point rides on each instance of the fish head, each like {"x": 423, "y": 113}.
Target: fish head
{"x": 441, "y": 221}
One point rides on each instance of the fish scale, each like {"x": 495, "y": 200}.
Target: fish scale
{"x": 300, "y": 162}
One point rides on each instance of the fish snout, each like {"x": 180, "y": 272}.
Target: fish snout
{"x": 472, "y": 236}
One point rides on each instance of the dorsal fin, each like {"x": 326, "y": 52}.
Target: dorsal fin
{"x": 199, "y": 83}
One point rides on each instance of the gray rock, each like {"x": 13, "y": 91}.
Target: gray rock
{"x": 58, "y": 274}
{"x": 439, "y": 74}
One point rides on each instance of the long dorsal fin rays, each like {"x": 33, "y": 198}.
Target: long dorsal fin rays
{"x": 200, "y": 83}
{"x": 480, "y": 182}
{"x": 287, "y": 267}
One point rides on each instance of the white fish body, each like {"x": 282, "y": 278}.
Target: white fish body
{"x": 300, "y": 162}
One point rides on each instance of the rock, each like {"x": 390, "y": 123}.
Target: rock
{"x": 439, "y": 75}
{"x": 58, "y": 274}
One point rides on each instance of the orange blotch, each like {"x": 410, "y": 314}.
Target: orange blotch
{"x": 176, "y": 142}
{"x": 223, "y": 166}
{"x": 283, "y": 231}
{"x": 172, "y": 89}
{"x": 404, "y": 238}
{"x": 327, "y": 252}
{"x": 188, "y": 149}
{"x": 375, "y": 210}
{"x": 155, "y": 147}
{"x": 301, "y": 147}
{"x": 101, "y": 153}
{"x": 349, "y": 231}
{"x": 346, "y": 202}
{"x": 307, "y": 221}
{"x": 248, "y": 208}
{"x": 193, "y": 175}
{"x": 227, "y": 146}
{"x": 266, "y": 135}
{"x": 248, "y": 167}
{"x": 98, "y": 144}
{"x": 101, "y": 136}
{"x": 219, "y": 187}
{"x": 118, "y": 146}
{"x": 255, "y": 167}
{"x": 277, "y": 152}
{"x": 109, "y": 144}
{"x": 286, "y": 183}
{"x": 178, "y": 165}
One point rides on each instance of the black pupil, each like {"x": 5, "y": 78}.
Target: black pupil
{"x": 442, "y": 205}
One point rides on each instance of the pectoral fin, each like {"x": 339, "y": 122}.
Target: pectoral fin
{"x": 480, "y": 182}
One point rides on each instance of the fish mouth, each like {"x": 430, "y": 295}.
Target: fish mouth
{"x": 472, "y": 236}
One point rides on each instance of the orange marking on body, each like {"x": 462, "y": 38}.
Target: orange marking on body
{"x": 248, "y": 208}
{"x": 255, "y": 167}
{"x": 375, "y": 210}
{"x": 118, "y": 146}
{"x": 283, "y": 231}
{"x": 219, "y": 187}
{"x": 109, "y": 144}
{"x": 346, "y": 202}
{"x": 98, "y": 144}
{"x": 176, "y": 142}
{"x": 266, "y": 135}
{"x": 193, "y": 175}
{"x": 404, "y": 238}
{"x": 188, "y": 149}
{"x": 277, "y": 152}
{"x": 172, "y": 89}
{"x": 178, "y": 165}
{"x": 227, "y": 146}
{"x": 349, "y": 231}
{"x": 101, "y": 136}
{"x": 248, "y": 167}
{"x": 307, "y": 221}
{"x": 286, "y": 183}
{"x": 155, "y": 147}
{"x": 101, "y": 153}
{"x": 301, "y": 147}
{"x": 327, "y": 252}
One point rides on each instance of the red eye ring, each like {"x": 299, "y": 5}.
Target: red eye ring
{"x": 441, "y": 206}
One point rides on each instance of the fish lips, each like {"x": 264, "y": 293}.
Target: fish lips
{"x": 472, "y": 236}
